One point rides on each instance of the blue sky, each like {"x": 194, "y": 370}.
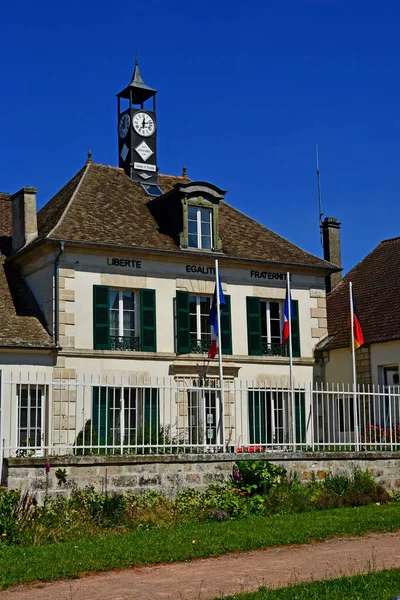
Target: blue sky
{"x": 246, "y": 90}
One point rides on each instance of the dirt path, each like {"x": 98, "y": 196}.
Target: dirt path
{"x": 210, "y": 578}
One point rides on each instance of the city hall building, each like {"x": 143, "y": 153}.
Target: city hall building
{"x": 105, "y": 297}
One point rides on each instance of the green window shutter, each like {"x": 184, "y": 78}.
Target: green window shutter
{"x": 254, "y": 326}
{"x": 148, "y": 335}
{"x": 226, "y": 327}
{"x": 295, "y": 329}
{"x": 257, "y": 420}
{"x": 300, "y": 413}
{"x": 100, "y": 416}
{"x": 101, "y": 317}
{"x": 182, "y": 323}
{"x": 151, "y": 416}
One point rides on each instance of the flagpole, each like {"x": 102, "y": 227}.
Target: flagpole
{"x": 353, "y": 358}
{"x": 289, "y": 297}
{"x": 221, "y": 374}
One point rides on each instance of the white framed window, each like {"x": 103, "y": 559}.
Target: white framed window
{"x": 271, "y": 324}
{"x": 124, "y": 415}
{"x": 127, "y": 416}
{"x": 390, "y": 375}
{"x": 203, "y": 417}
{"x": 199, "y": 311}
{"x": 31, "y": 419}
{"x": 124, "y": 321}
{"x": 200, "y": 227}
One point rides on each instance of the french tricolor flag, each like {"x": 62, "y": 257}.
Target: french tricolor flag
{"x": 213, "y": 319}
{"x": 286, "y": 328}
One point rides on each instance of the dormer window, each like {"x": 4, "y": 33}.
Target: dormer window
{"x": 189, "y": 213}
{"x": 200, "y": 227}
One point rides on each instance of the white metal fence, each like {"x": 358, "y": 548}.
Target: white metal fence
{"x": 95, "y": 415}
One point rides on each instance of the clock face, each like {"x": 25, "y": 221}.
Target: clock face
{"x": 143, "y": 124}
{"x": 124, "y": 123}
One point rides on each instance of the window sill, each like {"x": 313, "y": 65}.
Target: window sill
{"x": 233, "y": 359}
{"x": 202, "y": 250}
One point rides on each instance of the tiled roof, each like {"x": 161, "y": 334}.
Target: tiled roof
{"x": 102, "y": 205}
{"x": 21, "y": 322}
{"x": 5, "y": 222}
{"x": 376, "y": 286}
{"x": 20, "y": 317}
{"x": 51, "y": 213}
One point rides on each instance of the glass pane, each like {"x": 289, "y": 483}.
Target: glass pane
{"x": 36, "y": 397}
{"x": 35, "y": 417}
{"x": 205, "y": 215}
{"x": 205, "y": 230}
{"x": 129, "y": 321}
{"x": 205, "y": 305}
{"x": 193, "y": 326}
{"x": 205, "y": 327}
{"x": 192, "y": 227}
{"x": 192, "y": 304}
{"x": 274, "y": 310}
{"x": 115, "y": 398}
{"x": 275, "y": 330}
{"x": 113, "y": 299}
{"x": 192, "y": 241}
{"x": 23, "y": 419}
{"x": 128, "y": 300}
{"x": 23, "y": 437}
{"x": 114, "y": 320}
{"x": 264, "y": 331}
{"x": 23, "y": 395}
{"x": 206, "y": 242}
{"x": 192, "y": 213}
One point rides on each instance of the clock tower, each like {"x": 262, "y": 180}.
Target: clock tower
{"x": 137, "y": 130}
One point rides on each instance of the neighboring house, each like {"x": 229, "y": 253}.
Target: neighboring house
{"x": 376, "y": 285}
{"x": 112, "y": 281}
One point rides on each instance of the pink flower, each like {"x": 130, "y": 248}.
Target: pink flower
{"x": 47, "y": 467}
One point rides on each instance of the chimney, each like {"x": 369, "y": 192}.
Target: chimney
{"x": 331, "y": 242}
{"x": 24, "y": 219}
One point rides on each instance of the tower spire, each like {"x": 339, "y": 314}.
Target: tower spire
{"x": 137, "y": 130}
{"x": 136, "y": 77}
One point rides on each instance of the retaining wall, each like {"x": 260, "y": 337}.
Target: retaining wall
{"x": 171, "y": 474}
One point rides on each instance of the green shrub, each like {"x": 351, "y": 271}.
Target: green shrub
{"x": 326, "y": 500}
{"x": 290, "y": 496}
{"x": 17, "y": 511}
{"x": 358, "y": 490}
{"x": 8, "y": 524}
{"x": 336, "y": 484}
{"x": 193, "y": 505}
{"x": 257, "y": 476}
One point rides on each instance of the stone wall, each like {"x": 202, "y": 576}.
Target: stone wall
{"x": 363, "y": 365}
{"x": 171, "y": 474}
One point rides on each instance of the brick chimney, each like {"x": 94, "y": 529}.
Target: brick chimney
{"x": 332, "y": 253}
{"x": 24, "y": 219}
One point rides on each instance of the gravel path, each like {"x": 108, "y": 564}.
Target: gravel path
{"x": 229, "y": 574}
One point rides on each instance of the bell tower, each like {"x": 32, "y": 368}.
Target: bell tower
{"x": 137, "y": 130}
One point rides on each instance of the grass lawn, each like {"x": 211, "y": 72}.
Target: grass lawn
{"x": 104, "y": 552}
{"x": 374, "y": 586}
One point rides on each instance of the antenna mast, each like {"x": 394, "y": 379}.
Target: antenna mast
{"x": 321, "y": 214}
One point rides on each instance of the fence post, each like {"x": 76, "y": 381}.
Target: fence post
{"x": 312, "y": 416}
